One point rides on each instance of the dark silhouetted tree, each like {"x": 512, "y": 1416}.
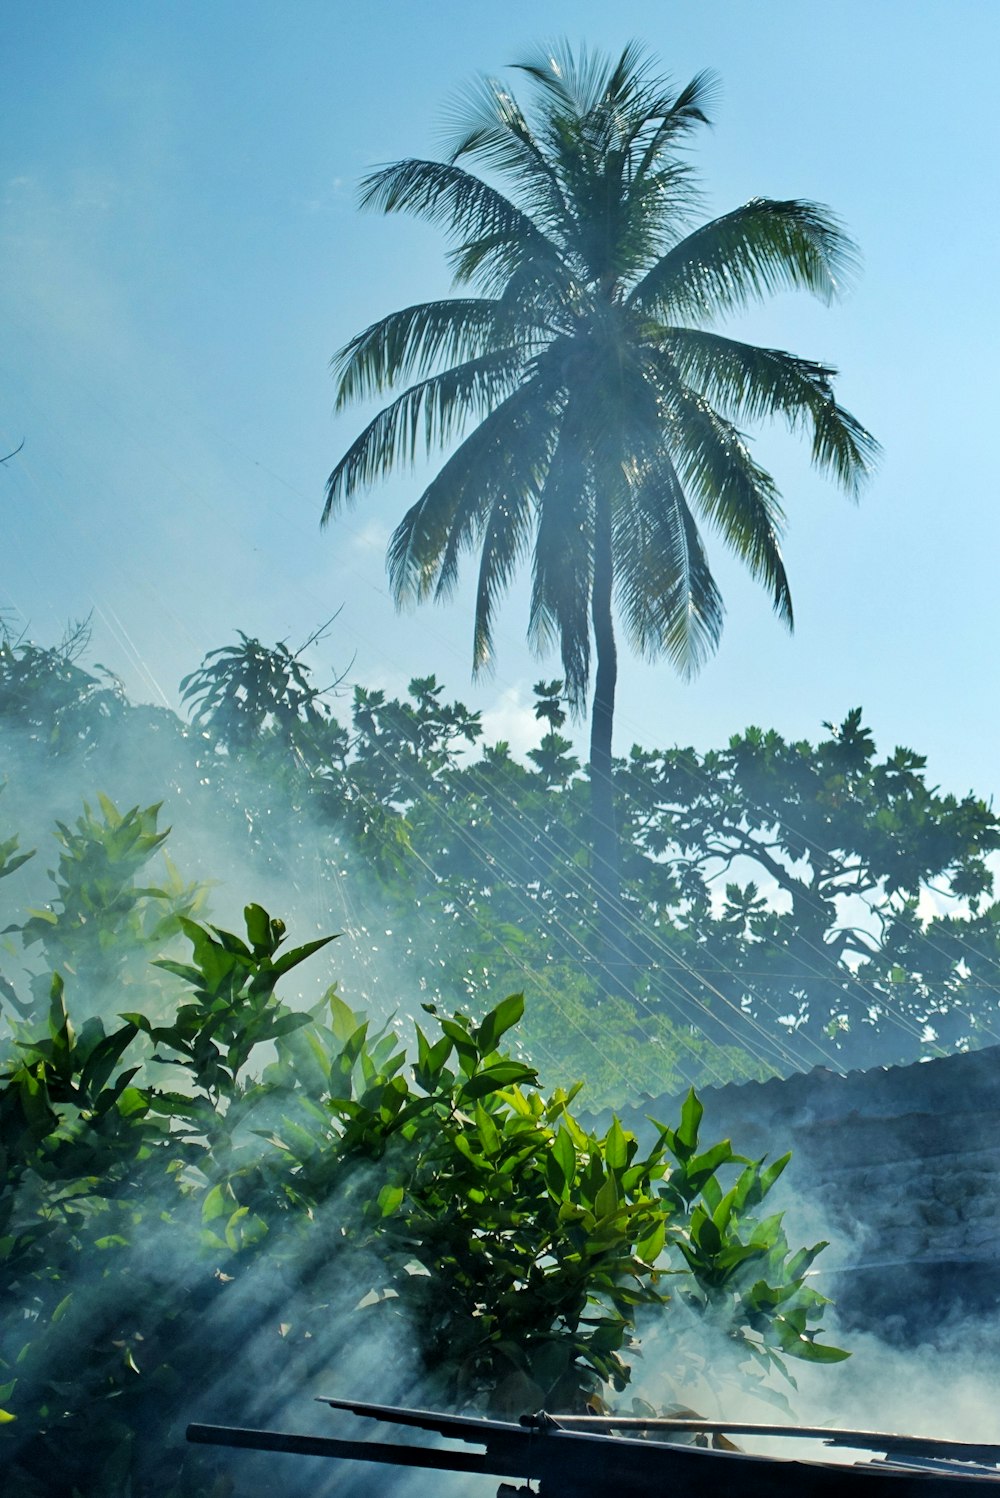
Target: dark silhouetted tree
{"x": 605, "y": 413}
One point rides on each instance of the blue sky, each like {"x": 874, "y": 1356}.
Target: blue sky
{"x": 180, "y": 255}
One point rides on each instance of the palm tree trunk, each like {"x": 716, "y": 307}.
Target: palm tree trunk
{"x": 604, "y": 834}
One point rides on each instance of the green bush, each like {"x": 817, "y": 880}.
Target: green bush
{"x": 202, "y": 1208}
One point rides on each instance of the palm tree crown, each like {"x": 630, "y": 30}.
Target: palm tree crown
{"x": 597, "y": 415}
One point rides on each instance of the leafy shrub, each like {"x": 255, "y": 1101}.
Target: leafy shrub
{"x": 237, "y": 1189}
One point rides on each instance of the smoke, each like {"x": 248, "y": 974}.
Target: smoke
{"x": 948, "y": 1386}
{"x": 945, "y": 1383}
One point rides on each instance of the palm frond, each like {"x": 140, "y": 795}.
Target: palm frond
{"x": 490, "y": 127}
{"x": 443, "y": 193}
{"x": 615, "y": 114}
{"x": 505, "y": 541}
{"x": 578, "y": 83}
{"x": 761, "y": 248}
{"x": 666, "y": 593}
{"x": 734, "y": 494}
{"x": 504, "y": 458}
{"x": 749, "y": 383}
{"x": 661, "y": 190}
{"x": 843, "y": 446}
{"x": 563, "y": 562}
{"x": 409, "y": 343}
{"x": 427, "y": 415}
{"x": 584, "y": 84}
{"x": 675, "y": 118}
{"x": 532, "y": 282}
{"x": 637, "y": 110}
{"x": 494, "y": 236}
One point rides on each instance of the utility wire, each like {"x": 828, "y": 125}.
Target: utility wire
{"x": 880, "y": 999}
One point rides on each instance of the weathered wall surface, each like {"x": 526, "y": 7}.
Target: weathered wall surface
{"x": 900, "y": 1167}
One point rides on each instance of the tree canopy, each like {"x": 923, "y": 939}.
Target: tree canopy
{"x": 785, "y": 903}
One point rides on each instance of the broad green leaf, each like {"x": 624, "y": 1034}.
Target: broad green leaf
{"x": 616, "y": 1147}
{"x": 705, "y": 1233}
{"x": 564, "y": 1153}
{"x": 650, "y": 1247}
{"x": 258, "y": 924}
{"x": 494, "y": 1078}
{"x": 701, "y": 1166}
{"x": 232, "y": 1228}
{"x": 808, "y": 1351}
{"x": 343, "y": 1021}
{"x": 465, "y": 1148}
{"x": 711, "y": 1192}
{"x": 390, "y": 1199}
{"x": 217, "y": 1203}
{"x": 606, "y": 1200}
{"x": 687, "y": 1135}
{"x": 801, "y": 1261}
{"x": 724, "y": 1211}
{"x": 103, "y": 1058}
{"x": 771, "y": 1174}
{"x": 286, "y": 1024}
{"x": 499, "y": 1020}
{"x": 465, "y": 1048}
{"x": 487, "y": 1130}
{"x": 291, "y": 959}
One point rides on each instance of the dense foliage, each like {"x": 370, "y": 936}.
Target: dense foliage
{"x": 212, "y": 1203}
{"x": 784, "y": 903}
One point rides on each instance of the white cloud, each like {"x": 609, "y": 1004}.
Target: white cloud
{"x": 513, "y": 720}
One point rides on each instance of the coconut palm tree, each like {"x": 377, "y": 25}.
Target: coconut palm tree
{"x": 593, "y": 412}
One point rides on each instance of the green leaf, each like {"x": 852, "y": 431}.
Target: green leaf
{"x": 216, "y": 1204}
{"x": 808, "y": 1351}
{"x": 800, "y": 1262}
{"x": 705, "y": 1233}
{"x": 286, "y": 1024}
{"x": 650, "y": 1247}
{"x": 699, "y": 1168}
{"x": 183, "y": 970}
{"x": 564, "y": 1154}
{"x": 291, "y": 959}
{"x": 465, "y": 1047}
{"x": 234, "y": 1237}
{"x": 494, "y": 1078}
{"x": 616, "y": 1147}
{"x": 132, "y": 1101}
{"x": 606, "y": 1200}
{"x": 499, "y": 1020}
{"x": 390, "y": 1199}
{"x": 687, "y": 1135}
{"x": 258, "y": 924}
{"x": 8, "y": 864}
{"x": 724, "y": 1211}
{"x": 61, "y": 1309}
{"x": 465, "y": 1149}
{"x": 487, "y": 1131}
{"x": 771, "y": 1174}
{"x": 431, "y": 1059}
{"x": 103, "y": 1058}
{"x": 343, "y": 1021}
